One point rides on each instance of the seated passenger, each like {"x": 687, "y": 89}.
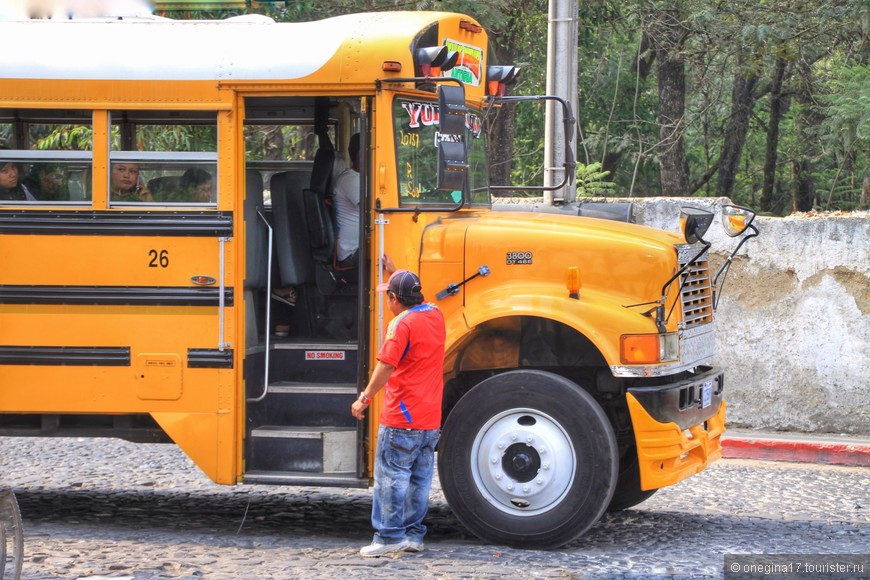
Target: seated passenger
{"x": 126, "y": 185}
{"x": 48, "y": 182}
{"x": 196, "y": 185}
{"x": 11, "y": 189}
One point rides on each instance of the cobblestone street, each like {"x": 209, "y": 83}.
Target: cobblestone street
{"x": 107, "y": 508}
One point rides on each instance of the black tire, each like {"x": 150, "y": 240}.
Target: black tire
{"x": 628, "y": 492}
{"x": 11, "y": 537}
{"x": 528, "y": 459}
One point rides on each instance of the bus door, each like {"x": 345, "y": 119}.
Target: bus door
{"x": 303, "y": 364}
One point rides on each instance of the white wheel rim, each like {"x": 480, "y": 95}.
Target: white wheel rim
{"x": 523, "y": 462}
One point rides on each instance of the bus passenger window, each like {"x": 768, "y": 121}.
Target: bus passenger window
{"x": 49, "y": 153}
{"x": 163, "y": 158}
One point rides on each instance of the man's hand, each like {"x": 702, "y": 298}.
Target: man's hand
{"x": 358, "y": 409}
{"x": 387, "y": 265}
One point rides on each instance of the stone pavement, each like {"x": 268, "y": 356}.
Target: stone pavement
{"x": 797, "y": 447}
{"x": 105, "y": 508}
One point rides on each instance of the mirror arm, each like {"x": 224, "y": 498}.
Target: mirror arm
{"x": 723, "y": 269}
{"x": 568, "y": 120}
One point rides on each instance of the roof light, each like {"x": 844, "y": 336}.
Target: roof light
{"x": 470, "y": 26}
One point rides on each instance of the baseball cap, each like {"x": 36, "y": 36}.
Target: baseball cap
{"x": 403, "y": 283}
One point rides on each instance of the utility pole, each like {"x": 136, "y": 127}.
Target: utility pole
{"x": 561, "y": 82}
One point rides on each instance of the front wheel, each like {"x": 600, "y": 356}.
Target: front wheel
{"x": 628, "y": 492}
{"x": 528, "y": 459}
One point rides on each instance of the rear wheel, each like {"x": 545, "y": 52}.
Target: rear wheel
{"x": 528, "y": 459}
{"x": 11, "y": 536}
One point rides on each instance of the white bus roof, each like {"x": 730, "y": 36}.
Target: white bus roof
{"x": 222, "y": 50}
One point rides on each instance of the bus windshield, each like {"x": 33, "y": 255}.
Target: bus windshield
{"x": 415, "y": 124}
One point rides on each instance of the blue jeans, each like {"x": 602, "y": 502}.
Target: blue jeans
{"x": 404, "y": 464}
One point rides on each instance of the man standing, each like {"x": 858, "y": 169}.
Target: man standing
{"x": 410, "y": 365}
{"x": 346, "y": 196}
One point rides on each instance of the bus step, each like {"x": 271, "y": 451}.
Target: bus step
{"x": 345, "y": 479}
{"x": 323, "y": 405}
{"x": 300, "y": 388}
{"x": 321, "y": 450}
{"x": 328, "y": 362}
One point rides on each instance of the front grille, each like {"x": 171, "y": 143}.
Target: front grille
{"x": 696, "y": 294}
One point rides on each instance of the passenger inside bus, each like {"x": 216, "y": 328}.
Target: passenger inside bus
{"x": 126, "y": 185}
{"x": 48, "y": 182}
{"x": 196, "y": 185}
{"x": 11, "y": 188}
{"x": 346, "y": 194}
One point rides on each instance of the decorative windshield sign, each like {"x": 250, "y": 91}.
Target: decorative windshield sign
{"x": 426, "y": 115}
{"x": 469, "y": 63}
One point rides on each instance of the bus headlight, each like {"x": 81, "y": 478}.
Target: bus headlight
{"x": 637, "y": 349}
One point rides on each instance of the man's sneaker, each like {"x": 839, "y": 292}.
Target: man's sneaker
{"x": 414, "y": 546}
{"x": 376, "y": 549}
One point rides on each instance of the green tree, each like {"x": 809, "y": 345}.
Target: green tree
{"x": 591, "y": 180}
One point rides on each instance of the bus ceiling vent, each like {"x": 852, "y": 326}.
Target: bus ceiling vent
{"x": 435, "y": 57}
{"x": 498, "y": 78}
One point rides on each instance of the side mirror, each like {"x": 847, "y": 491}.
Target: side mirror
{"x": 452, "y": 167}
{"x": 452, "y": 152}
{"x": 736, "y": 219}
{"x": 694, "y": 223}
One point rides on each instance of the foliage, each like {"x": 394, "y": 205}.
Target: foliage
{"x": 823, "y": 119}
{"x": 67, "y": 137}
{"x": 590, "y": 180}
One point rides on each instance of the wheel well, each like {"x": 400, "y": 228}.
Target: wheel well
{"x": 526, "y": 342}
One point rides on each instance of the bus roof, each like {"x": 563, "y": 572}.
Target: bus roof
{"x": 219, "y": 50}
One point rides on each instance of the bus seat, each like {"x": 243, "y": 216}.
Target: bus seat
{"x": 256, "y": 256}
{"x": 256, "y": 250}
{"x": 319, "y": 212}
{"x": 295, "y": 265}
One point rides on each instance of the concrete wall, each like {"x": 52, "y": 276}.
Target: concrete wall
{"x": 794, "y": 318}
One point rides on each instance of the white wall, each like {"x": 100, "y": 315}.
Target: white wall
{"x": 794, "y": 318}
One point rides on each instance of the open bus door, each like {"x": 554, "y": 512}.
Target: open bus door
{"x": 299, "y": 388}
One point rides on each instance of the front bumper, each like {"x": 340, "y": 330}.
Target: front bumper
{"x": 677, "y": 427}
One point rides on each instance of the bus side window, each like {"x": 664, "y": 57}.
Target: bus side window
{"x": 175, "y": 153}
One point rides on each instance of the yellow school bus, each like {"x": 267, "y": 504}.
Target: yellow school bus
{"x": 172, "y": 185}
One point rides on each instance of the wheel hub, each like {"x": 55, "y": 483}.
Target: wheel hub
{"x": 521, "y": 462}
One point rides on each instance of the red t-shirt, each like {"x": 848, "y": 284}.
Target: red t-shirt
{"x": 414, "y": 344}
